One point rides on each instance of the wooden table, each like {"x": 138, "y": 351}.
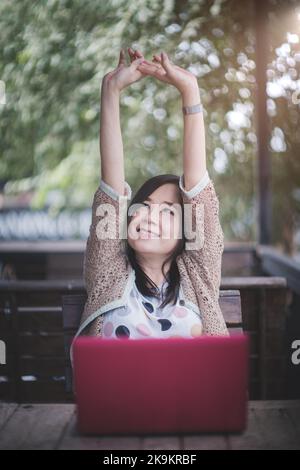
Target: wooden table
{"x": 271, "y": 425}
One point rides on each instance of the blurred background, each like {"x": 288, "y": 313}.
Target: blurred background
{"x": 53, "y": 56}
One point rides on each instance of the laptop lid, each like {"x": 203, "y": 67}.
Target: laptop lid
{"x": 155, "y": 385}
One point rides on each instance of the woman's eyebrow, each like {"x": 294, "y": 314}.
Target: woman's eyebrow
{"x": 166, "y": 202}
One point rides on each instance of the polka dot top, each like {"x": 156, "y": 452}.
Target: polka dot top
{"x": 143, "y": 318}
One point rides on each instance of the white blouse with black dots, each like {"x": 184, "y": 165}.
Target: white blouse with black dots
{"x": 142, "y": 318}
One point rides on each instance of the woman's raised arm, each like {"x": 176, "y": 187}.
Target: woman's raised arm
{"x": 111, "y": 144}
{"x": 194, "y": 155}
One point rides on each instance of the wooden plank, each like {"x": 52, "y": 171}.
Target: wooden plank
{"x": 253, "y": 336}
{"x": 47, "y": 344}
{"x": 38, "y": 319}
{"x": 276, "y": 311}
{"x": 293, "y": 414}
{"x": 274, "y": 368}
{"x": 277, "y": 430}
{"x": 275, "y": 404}
{"x": 250, "y": 308}
{"x": 164, "y": 442}
{"x": 253, "y": 282}
{"x": 41, "y": 246}
{"x": 44, "y": 285}
{"x": 272, "y": 319}
{"x": 6, "y": 411}
{"x": 253, "y": 366}
{"x": 7, "y": 389}
{"x": 72, "y": 308}
{"x": 72, "y": 440}
{"x": 36, "y": 427}
{"x": 42, "y": 367}
{"x": 44, "y": 391}
{"x": 235, "y": 330}
{"x": 254, "y": 389}
{"x": 227, "y": 283}
{"x": 251, "y": 438}
{"x": 275, "y": 389}
{"x": 271, "y": 425}
{"x": 230, "y": 304}
{"x": 205, "y": 442}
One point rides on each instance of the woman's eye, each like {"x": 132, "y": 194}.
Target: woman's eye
{"x": 169, "y": 210}
{"x": 163, "y": 209}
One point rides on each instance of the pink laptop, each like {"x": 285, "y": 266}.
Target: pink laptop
{"x": 153, "y": 385}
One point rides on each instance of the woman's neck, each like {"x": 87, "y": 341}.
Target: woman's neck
{"x": 153, "y": 269}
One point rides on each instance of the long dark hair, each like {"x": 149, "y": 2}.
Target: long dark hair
{"x": 142, "y": 280}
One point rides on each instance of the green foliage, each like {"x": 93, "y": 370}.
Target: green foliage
{"x": 53, "y": 55}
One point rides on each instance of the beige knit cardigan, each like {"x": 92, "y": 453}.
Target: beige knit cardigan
{"x": 109, "y": 276}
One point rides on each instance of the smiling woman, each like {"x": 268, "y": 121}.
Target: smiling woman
{"x": 153, "y": 283}
{"x": 154, "y": 255}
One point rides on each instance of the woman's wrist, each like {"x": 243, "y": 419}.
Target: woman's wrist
{"x": 109, "y": 88}
{"x": 190, "y": 95}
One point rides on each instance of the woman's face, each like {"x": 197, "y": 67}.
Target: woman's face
{"x": 156, "y": 223}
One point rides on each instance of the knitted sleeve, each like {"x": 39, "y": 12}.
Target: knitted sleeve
{"x": 104, "y": 244}
{"x": 202, "y": 257}
{"x": 104, "y": 265}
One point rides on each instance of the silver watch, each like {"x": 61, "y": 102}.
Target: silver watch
{"x": 196, "y": 108}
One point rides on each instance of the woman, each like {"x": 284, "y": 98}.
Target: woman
{"x": 159, "y": 281}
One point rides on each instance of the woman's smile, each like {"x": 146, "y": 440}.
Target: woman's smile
{"x": 148, "y": 233}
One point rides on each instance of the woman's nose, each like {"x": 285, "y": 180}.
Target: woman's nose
{"x": 154, "y": 214}
{"x": 154, "y": 209}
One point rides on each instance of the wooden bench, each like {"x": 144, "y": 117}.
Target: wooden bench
{"x": 31, "y": 325}
{"x": 73, "y": 305}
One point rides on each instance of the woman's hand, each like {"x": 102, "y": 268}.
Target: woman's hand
{"x": 124, "y": 75}
{"x": 163, "y": 69}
